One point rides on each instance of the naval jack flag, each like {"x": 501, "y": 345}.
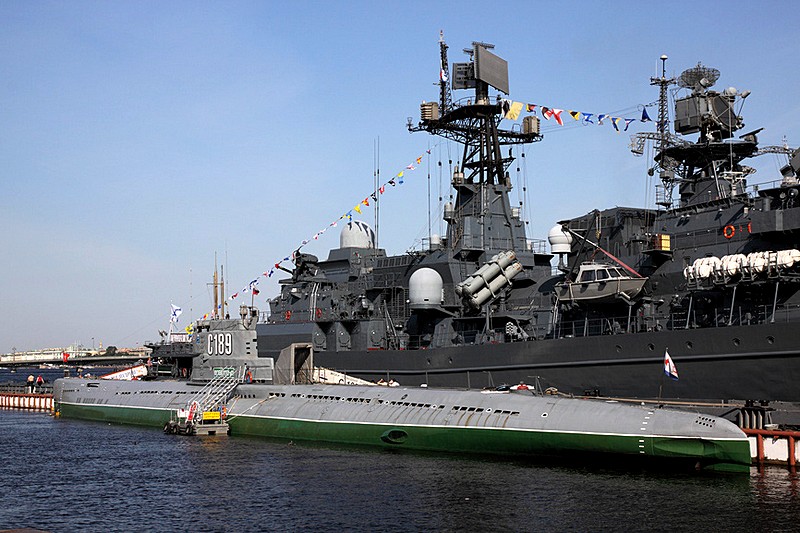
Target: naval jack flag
{"x": 669, "y": 367}
{"x": 176, "y": 312}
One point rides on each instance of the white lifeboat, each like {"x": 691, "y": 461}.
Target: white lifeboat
{"x": 599, "y": 282}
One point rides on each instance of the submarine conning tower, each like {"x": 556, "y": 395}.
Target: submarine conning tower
{"x": 227, "y": 345}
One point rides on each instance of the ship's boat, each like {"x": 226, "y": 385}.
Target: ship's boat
{"x": 600, "y": 282}
{"x": 233, "y": 390}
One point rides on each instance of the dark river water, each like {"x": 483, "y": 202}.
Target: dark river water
{"x": 71, "y": 475}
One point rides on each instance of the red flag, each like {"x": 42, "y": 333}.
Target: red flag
{"x": 65, "y": 356}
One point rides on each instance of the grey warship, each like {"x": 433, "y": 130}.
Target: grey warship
{"x": 713, "y": 270}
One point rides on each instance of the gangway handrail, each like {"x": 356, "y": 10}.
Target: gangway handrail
{"x": 217, "y": 389}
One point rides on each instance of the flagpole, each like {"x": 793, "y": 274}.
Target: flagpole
{"x": 663, "y": 372}
{"x": 172, "y": 312}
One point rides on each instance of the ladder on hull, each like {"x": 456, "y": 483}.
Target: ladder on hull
{"x": 205, "y": 412}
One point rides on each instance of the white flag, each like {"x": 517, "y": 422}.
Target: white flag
{"x": 176, "y": 312}
{"x": 669, "y": 366}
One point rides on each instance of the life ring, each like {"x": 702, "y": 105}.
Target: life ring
{"x": 749, "y": 227}
{"x": 729, "y": 231}
{"x": 287, "y": 315}
{"x": 318, "y": 313}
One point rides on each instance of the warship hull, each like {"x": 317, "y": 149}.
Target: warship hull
{"x": 511, "y": 424}
{"x": 720, "y": 364}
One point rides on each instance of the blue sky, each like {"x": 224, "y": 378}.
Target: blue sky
{"x": 138, "y": 139}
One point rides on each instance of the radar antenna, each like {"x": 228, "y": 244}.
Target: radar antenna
{"x": 475, "y": 123}
{"x": 711, "y": 165}
{"x": 698, "y": 78}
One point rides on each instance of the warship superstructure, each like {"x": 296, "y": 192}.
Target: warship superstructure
{"x": 710, "y": 274}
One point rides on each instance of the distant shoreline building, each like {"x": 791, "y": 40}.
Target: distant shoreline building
{"x": 74, "y": 351}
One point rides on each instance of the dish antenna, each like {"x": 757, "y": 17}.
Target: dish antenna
{"x": 700, "y": 75}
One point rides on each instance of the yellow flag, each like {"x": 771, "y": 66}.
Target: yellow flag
{"x": 358, "y": 208}
{"x": 514, "y": 111}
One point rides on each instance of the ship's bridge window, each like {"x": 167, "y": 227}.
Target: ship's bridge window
{"x": 602, "y": 274}
{"x": 587, "y": 275}
{"x": 614, "y": 273}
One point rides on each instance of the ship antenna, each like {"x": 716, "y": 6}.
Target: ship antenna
{"x": 376, "y": 176}
{"x": 663, "y": 117}
{"x": 445, "y": 101}
{"x": 215, "y": 286}
{"x": 429, "y": 196}
{"x": 661, "y": 138}
{"x": 222, "y": 288}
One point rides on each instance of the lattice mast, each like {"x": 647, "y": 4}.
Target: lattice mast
{"x": 661, "y": 139}
{"x": 663, "y": 105}
{"x": 481, "y": 178}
